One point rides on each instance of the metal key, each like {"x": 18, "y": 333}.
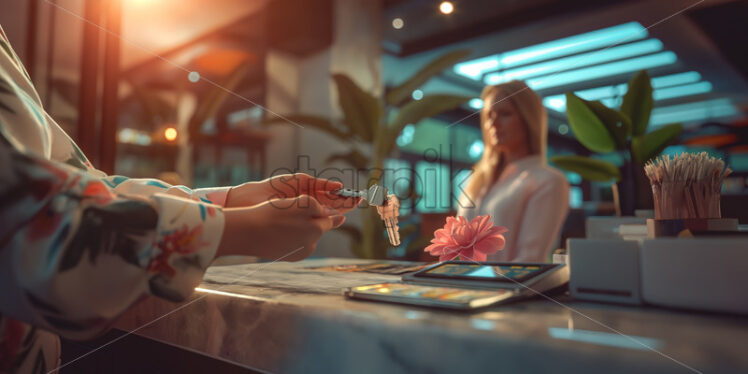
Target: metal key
{"x": 388, "y": 207}
{"x": 389, "y": 212}
{"x": 376, "y": 194}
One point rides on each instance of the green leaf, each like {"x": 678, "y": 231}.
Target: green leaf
{"x": 361, "y": 110}
{"x": 415, "y": 111}
{"x": 354, "y": 158}
{"x": 637, "y": 102}
{"x": 588, "y": 168}
{"x": 587, "y": 127}
{"x": 648, "y": 146}
{"x": 399, "y": 93}
{"x": 617, "y": 123}
{"x": 305, "y": 120}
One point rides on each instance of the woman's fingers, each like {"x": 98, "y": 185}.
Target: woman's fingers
{"x": 328, "y": 223}
{"x": 309, "y": 184}
{"x": 337, "y": 221}
{"x": 344, "y": 204}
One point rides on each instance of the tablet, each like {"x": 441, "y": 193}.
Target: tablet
{"x": 485, "y": 272}
{"x": 431, "y": 296}
{"x": 531, "y": 278}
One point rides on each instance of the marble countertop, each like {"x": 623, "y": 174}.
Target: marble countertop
{"x": 283, "y": 318}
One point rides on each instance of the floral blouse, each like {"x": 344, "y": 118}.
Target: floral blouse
{"x": 78, "y": 247}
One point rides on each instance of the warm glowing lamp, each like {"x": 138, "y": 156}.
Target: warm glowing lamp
{"x": 446, "y": 7}
{"x": 170, "y": 134}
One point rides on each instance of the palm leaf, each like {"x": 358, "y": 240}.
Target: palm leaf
{"x": 637, "y": 102}
{"x": 399, "y": 93}
{"x": 361, "y": 110}
{"x": 648, "y": 146}
{"x": 587, "y": 127}
{"x": 617, "y": 123}
{"x": 588, "y": 168}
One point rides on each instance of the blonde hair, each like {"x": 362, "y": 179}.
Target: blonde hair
{"x": 533, "y": 114}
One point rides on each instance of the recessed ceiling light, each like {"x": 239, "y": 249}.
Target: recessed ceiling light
{"x": 446, "y": 7}
{"x": 398, "y": 23}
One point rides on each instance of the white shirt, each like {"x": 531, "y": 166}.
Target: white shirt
{"x": 531, "y": 199}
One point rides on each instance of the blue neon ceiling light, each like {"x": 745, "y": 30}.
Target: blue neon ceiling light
{"x": 474, "y": 69}
{"x": 698, "y": 111}
{"x": 577, "y": 61}
{"x": 701, "y": 110}
{"x": 665, "y": 88}
{"x": 684, "y": 90}
{"x": 604, "y": 70}
{"x": 558, "y": 102}
{"x": 574, "y": 44}
{"x": 607, "y": 37}
{"x": 676, "y": 79}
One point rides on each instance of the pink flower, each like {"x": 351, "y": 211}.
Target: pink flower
{"x": 472, "y": 240}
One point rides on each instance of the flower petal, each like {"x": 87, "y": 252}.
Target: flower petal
{"x": 482, "y": 223}
{"x": 479, "y": 256}
{"x": 467, "y": 254}
{"x": 493, "y": 231}
{"x": 490, "y": 244}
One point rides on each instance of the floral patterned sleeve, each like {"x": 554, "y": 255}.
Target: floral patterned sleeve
{"x": 74, "y": 254}
{"x": 78, "y": 247}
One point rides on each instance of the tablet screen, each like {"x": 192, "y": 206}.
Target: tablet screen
{"x": 491, "y": 272}
{"x": 411, "y": 291}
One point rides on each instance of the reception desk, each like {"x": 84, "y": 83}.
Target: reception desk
{"x": 286, "y": 318}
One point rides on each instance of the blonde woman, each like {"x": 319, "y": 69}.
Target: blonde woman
{"x": 512, "y": 182}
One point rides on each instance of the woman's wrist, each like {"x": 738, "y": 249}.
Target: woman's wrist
{"x": 239, "y": 226}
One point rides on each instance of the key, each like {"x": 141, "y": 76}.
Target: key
{"x": 376, "y": 194}
{"x": 389, "y": 212}
{"x": 388, "y": 207}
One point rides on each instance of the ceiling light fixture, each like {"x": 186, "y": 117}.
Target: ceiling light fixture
{"x": 665, "y": 87}
{"x": 576, "y": 61}
{"x": 446, "y": 7}
{"x": 603, "y": 38}
{"x": 604, "y": 70}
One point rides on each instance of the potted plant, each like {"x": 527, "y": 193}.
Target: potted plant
{"x": 370, "y": 126}
{"x": 604, "y": 130}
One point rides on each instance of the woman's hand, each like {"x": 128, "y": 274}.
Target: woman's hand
{"x": 280, "y": 229}
{"x": 290, "y": 186}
